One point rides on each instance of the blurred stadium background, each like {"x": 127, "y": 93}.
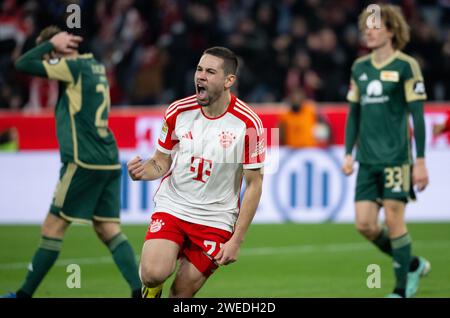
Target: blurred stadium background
{"x": 302, "y": 243}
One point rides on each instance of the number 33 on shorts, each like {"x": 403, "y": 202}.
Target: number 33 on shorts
{"x": 397, "y": 178}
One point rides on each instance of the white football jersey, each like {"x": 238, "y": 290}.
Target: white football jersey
{"x": 204, "y": 184}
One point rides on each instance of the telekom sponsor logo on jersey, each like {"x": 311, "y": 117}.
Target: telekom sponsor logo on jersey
{"x": 202, "y": 167}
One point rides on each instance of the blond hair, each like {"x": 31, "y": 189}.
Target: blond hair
{"x": 47, "y": 33}
{"x": 395, "y": 22}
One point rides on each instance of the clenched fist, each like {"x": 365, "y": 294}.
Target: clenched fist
{"x": 136, "y": 168}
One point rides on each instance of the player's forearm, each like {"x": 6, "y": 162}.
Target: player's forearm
{"x": 416, "y": 109}
{"x": 351, "y": 128}
{"x": 247, "y": 212}
{"x": 31, "y": 61}
{"x": 154, "y": 170}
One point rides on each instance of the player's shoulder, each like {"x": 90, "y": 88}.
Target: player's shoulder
{"x": 181, "y": 105}
{"x": 410, "y": 62}
{"x": 402, "y": 56}
{"x": 246, "y": 114}
{"x": 362, "y": 60}
{"x": 82, "y": 59}
{"x": 85, "y": 64}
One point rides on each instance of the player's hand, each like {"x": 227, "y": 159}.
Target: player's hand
{"x": 228, "y": 253}
{"x": 420, "y": 174}
{"x": 136, "y": 168}
{"x": 347, "y": 166}
{"x": 65, "y": 43}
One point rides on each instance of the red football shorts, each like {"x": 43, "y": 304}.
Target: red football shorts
{"x": 198, "y": 243}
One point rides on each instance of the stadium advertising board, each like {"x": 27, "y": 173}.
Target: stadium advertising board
{"x": 304, "y": 185}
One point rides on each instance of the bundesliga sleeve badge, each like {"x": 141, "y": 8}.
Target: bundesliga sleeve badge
{"x": 164, "y": 131}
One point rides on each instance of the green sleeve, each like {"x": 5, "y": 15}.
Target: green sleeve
{"x": 31, "y": 62}
{"x": 416, "y": 110}
{"x": 61, "y": 69}
{"x": 351, "y": 127}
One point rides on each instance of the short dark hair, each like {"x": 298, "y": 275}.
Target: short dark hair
{"x": 230, "y": 60}
{"x": 47, "y": 33}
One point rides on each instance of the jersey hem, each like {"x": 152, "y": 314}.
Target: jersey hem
{"x": 217, "y": 225}
{"x": 253, "y": 166}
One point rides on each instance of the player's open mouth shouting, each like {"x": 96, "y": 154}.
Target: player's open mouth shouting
{"x": 202, "y": 93}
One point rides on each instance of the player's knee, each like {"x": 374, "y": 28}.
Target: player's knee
{"x": 367, "y": 229}
{"x": 106, "y": 231}
{"x": 394, "y": 224}
{"x": 101, "y": 233}
{"x": 153, "y": 276}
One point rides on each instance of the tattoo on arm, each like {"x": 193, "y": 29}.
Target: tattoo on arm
{"x": 155, "y": 166}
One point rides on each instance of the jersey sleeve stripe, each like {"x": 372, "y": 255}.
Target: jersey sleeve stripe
{"x": 253, "y": 165}
{"x": 174, "y": 106}
{"x": 180, "y": 102}
{"x": 250, "y": 111}
{"x": 415, "y": 69}
{"x": 59, "y": 71}
{"x": 248, "y": 116}
{"x": 189, "y": 102}
{"x": 180, "y": 108}
{"x": 256, "y": 123}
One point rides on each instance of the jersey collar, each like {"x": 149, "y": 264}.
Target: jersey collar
{"x": 385, "y": 63}
{"x": 229, "y": 108}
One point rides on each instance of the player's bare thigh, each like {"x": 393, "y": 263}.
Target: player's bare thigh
{"x": 188, "y": 280}
{"x": 366, "y": 218}
{"x": 158, "y": 261}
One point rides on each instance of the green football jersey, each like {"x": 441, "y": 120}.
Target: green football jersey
{"x": 82, "y": 109}
{"x": 382, "y": 93}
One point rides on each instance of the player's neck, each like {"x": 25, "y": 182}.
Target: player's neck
{"x": 219, "y": 107}
{"x": 383, "y": 53}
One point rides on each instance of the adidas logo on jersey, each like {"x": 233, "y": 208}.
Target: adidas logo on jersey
{"x": 363, "y": 77}
{"x": 259, "y": 149}
{"x": 187, "y": 135}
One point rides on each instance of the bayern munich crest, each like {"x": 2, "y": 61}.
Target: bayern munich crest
{"x": 156, "y": 225}
{"x": 226, "y": 138}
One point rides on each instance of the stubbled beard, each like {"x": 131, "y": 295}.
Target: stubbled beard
{"x": 204, "y": 103}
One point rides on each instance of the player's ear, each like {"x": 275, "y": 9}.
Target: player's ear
{"x": 229, "y": 80}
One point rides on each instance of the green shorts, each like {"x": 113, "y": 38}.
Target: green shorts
{"x": 82, "y": 195}
{"x": 379, "y": 182}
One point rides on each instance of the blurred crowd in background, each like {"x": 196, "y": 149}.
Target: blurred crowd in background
{"x": 151, "y": 47}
